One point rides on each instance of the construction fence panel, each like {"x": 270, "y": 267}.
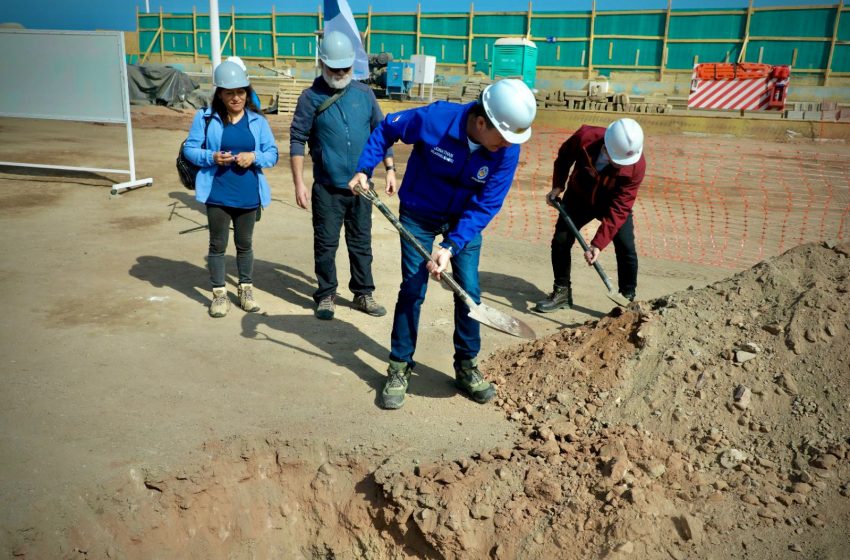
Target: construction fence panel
{"x": 447, "y": 51}
{"x": 567, "y": 53}
{"x": 394, "y": 22}
{"x": 562, "y": 28}
{"x": 623, "y": 52}
{"x": 810, "y": 55}
{"x": 623, "y": 40}
{"x": 648, "y": 24}
{"x": 793, "y": 23}
{"x": 505, "y": 25}
{"x": 482, "y": 53}
{"x": 400, "y": 46}
{"x": 295, "y": 47}
{"x": 706, "y": 26}
{"x": 457, "y": 26}
{"x": 296, "y": 23}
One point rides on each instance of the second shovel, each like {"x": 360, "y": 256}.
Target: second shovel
{"x": 612, "y": 294}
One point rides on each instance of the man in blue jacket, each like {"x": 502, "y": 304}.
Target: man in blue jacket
{"x": 334, "y": 117}
{"x": 460, "y": 170}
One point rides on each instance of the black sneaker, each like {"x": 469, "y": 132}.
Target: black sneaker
{"x": 367, "y": 304}
{"x": 325, "y": 308}
{"x": 561, "y": 296}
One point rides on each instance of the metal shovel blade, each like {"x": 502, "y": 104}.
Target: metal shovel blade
{"x": 618, "y": 298}
{"x": 495, "y": 319}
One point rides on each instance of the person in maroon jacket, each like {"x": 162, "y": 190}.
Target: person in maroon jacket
{"x": 607, "y": 169}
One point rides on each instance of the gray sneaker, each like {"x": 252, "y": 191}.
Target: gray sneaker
{"x": 246, "y": 298}
{"x": 395, "y": 388}
{"x": 325, "y": 308}
{"x": 470, "y": 380}
{"x": 220, "y": 304}
{"x": 561, "y": 296}
{"x": 367, "y": 304}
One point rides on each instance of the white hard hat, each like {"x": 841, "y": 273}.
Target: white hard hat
{"x": 624, "y": 141}
{"x": 511, "y": 107}
{"x": 229, "y": 75}
{"x": 238, "y": 61}
{"x": 336, "y": 50}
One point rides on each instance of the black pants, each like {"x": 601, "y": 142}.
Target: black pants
{"x": 219, "y": 218}
{"x": 624, "y": 248}
{"x": 333, "y": 207}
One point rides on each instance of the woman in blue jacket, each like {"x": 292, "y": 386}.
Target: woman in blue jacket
{"x": 231, "y": 143}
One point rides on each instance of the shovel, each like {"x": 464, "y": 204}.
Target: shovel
{"x": 612, "y": 294}
{"x": 485, "y": 315}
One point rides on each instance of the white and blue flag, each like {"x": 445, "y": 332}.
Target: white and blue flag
{"x": 338, "y": 17}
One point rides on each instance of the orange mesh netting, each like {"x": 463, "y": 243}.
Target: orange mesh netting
{"x": 714, "y": 201}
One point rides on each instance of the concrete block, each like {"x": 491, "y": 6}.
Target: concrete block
{"x": 829, "y": 115}
{"x": 794, "y": 115}
{"x": 812, "y": 115}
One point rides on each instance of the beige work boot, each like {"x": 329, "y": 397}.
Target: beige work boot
{"x": 220, "y": 304}
{"x": 246, "y": 298}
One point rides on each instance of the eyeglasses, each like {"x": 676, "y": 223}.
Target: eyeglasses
{"x": 339, "y": 70}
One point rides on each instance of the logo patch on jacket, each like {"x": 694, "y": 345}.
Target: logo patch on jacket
{"x": 443, "y": 154}
{"x": 482, "y": 173}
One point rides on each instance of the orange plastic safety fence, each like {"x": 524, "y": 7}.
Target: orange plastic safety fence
{"x": 717, "y": 201}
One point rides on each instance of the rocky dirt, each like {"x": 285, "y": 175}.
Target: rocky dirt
{"x": 710, "y": 423}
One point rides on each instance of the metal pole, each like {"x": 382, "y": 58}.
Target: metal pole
{"x": 215, "y": 35}
{"x": 147, "y": 6}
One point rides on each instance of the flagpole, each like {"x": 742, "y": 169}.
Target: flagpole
{"x": 215, "y": 35}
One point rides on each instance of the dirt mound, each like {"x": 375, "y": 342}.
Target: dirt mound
{"x": 711, "y": 423}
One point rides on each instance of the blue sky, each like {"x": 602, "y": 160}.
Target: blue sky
{"x": 121, "y": 14}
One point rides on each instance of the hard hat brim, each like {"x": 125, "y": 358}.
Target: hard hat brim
{"x": 515, "y": 137}
{"x": 339, "y": 63}
{"x": 626, "y": 161}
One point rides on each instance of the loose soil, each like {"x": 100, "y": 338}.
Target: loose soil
{"x": 708, "y": 420}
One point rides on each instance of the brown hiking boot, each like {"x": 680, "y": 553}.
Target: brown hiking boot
{"x": 325, "y": 308}
{"x": 561, "y": 296}
{"x": 367, "y": 304}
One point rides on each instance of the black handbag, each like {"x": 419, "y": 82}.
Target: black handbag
{"x": 186, "y": 170}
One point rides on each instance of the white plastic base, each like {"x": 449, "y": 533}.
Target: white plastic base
{"x": 119, "y": 188}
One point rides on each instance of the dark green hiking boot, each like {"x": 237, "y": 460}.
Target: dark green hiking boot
{"x": 468, "y": 378}
{"x": 395, "y": 388}
{"x": 561, "y": 296}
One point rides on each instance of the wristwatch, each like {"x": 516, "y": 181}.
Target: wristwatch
{"x": 390, "y": 168}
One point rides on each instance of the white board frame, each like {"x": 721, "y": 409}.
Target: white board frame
{"x": 34, "y": 73}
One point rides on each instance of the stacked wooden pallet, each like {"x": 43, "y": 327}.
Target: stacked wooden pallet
{"x": 287, "y": 96}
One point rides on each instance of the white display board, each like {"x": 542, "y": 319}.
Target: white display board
{"x": 67, "y": 75}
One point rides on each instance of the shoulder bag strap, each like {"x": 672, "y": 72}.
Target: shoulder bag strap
{"x": 207, "y": 119}
{"x": 330, "y": 101}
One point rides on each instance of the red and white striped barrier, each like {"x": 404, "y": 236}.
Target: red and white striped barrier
{"x": 750, "y": 94}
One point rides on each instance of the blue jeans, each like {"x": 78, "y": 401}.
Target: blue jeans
{"x": 414, "y": 284}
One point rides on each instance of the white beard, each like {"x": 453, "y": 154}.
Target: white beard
{"x": 333, "y": 81}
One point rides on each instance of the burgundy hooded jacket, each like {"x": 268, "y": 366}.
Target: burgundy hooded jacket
{"x": 609, "y": 195}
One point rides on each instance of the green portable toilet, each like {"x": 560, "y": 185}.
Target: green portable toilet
{"x": 515, "y": 58}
